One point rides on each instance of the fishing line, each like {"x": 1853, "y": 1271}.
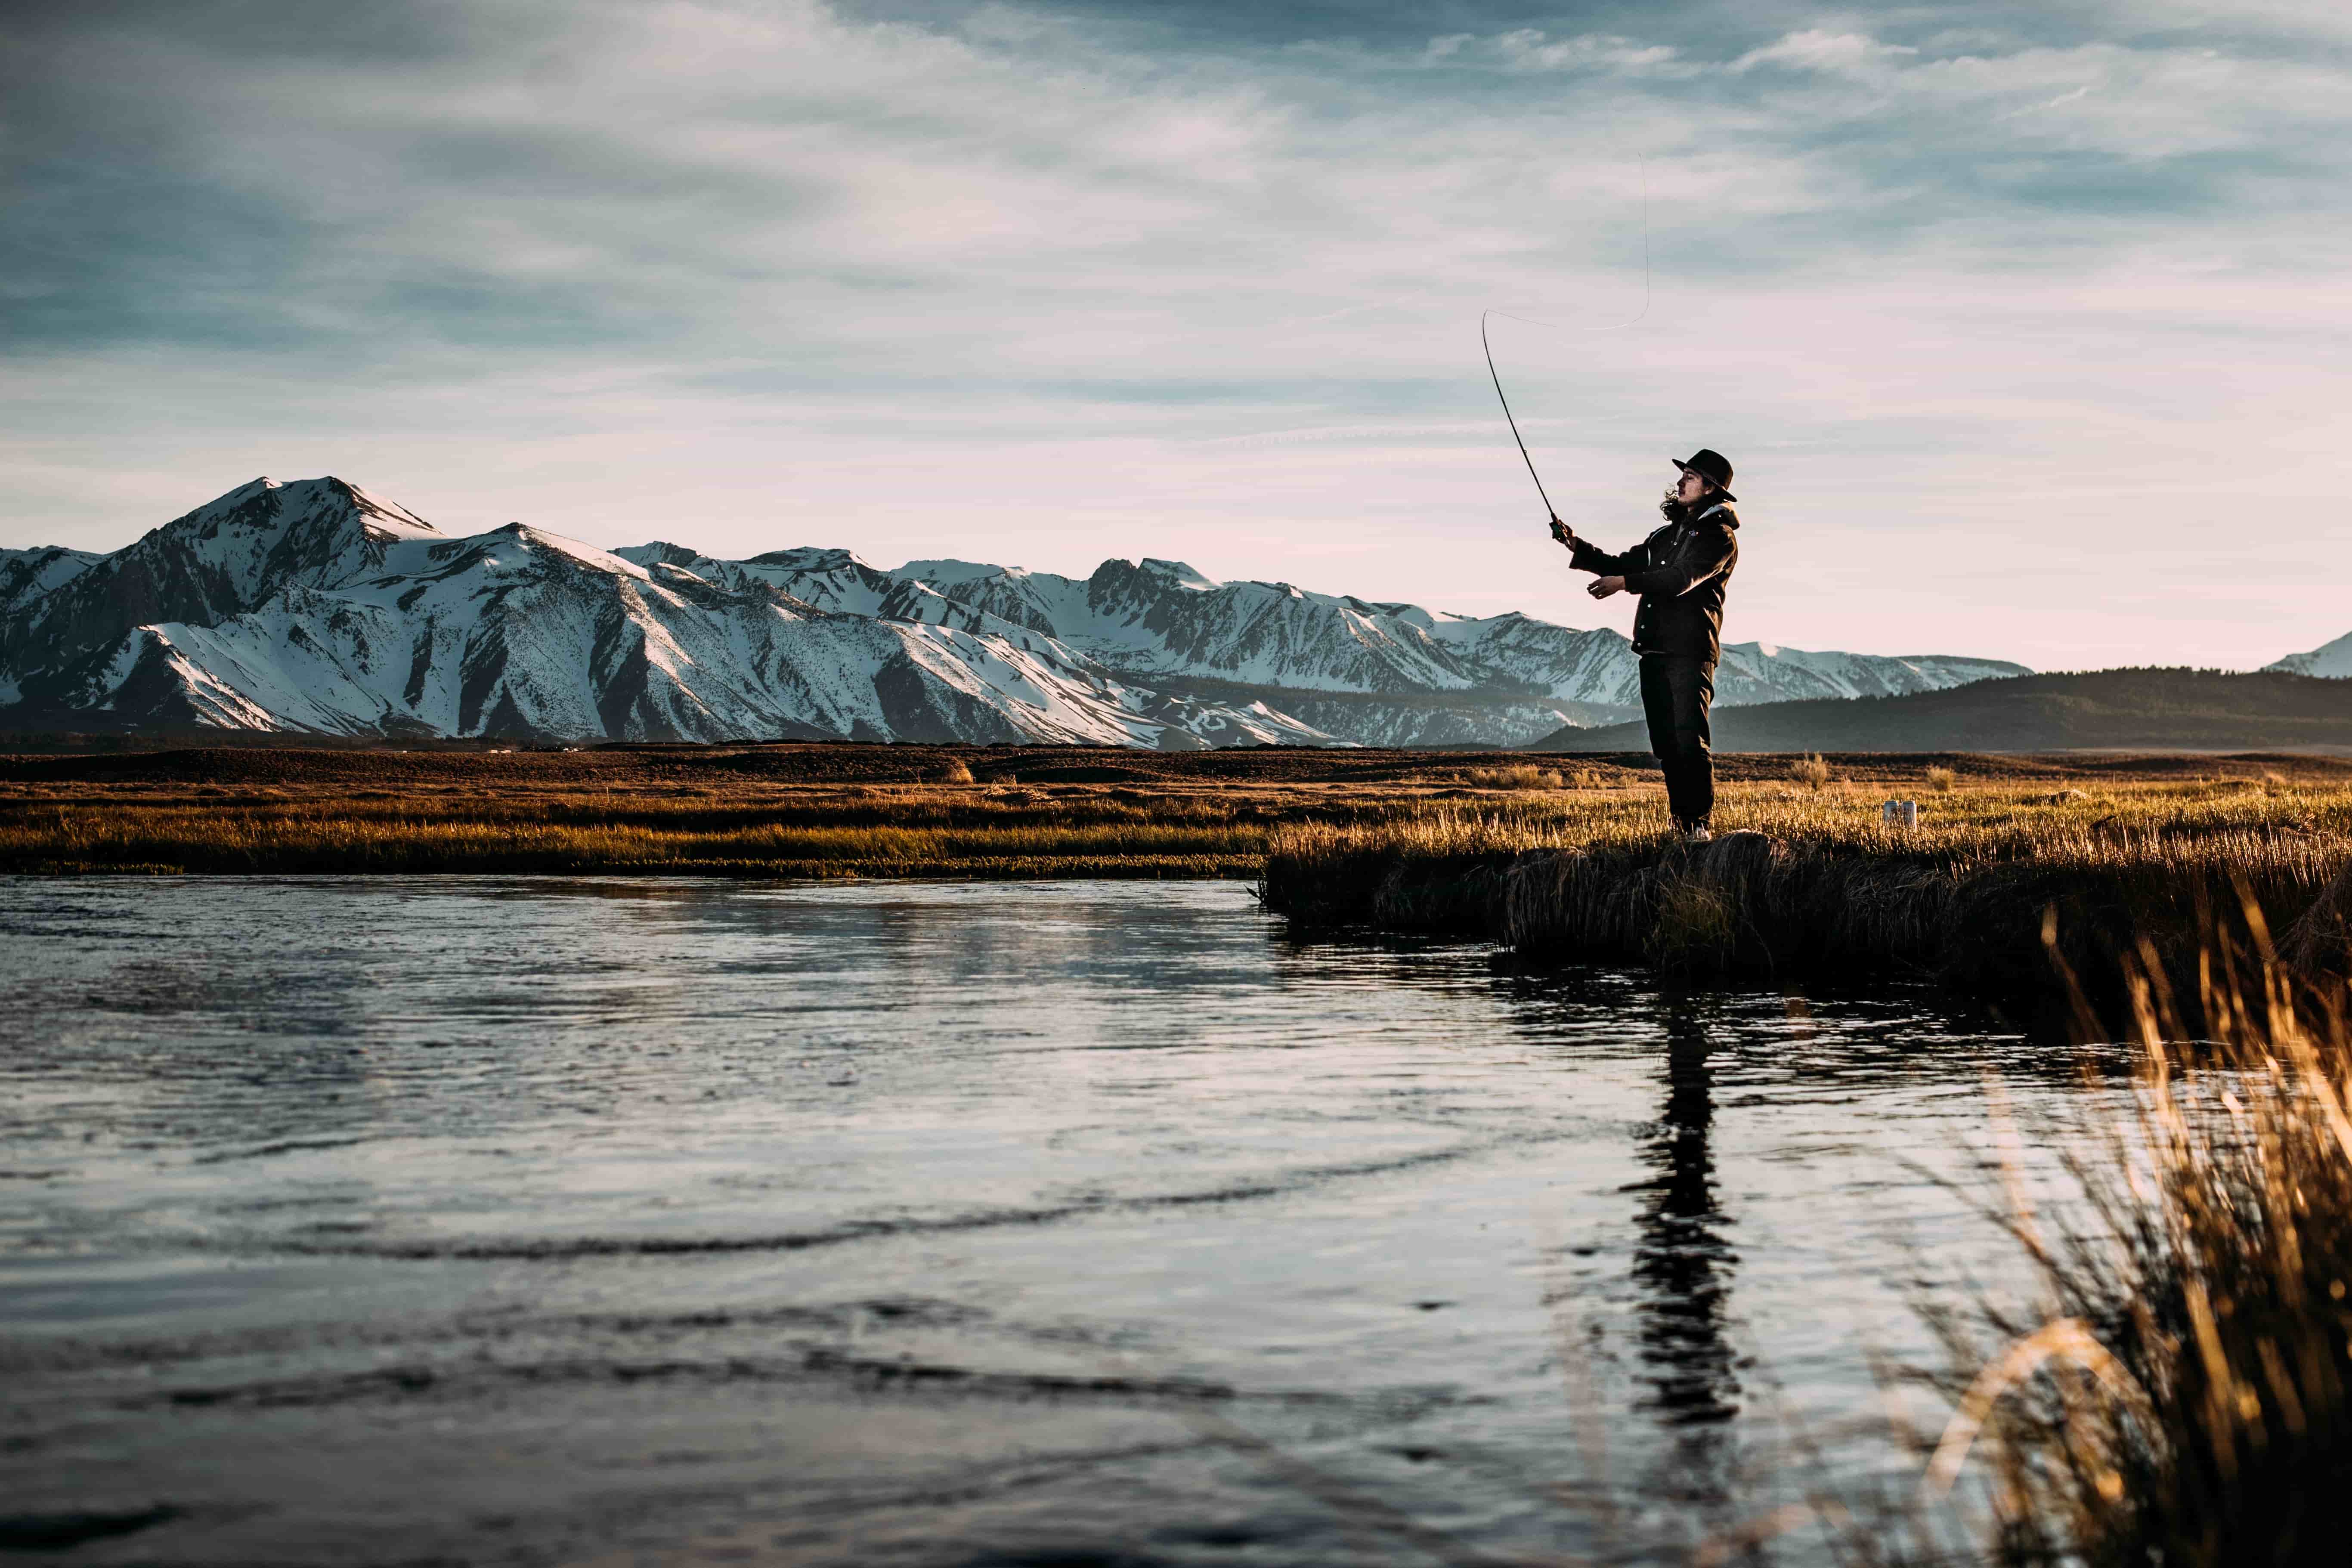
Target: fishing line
{"x": 1551, "y": 512}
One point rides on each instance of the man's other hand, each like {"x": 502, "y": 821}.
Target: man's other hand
{"x": 1601, "y": 587}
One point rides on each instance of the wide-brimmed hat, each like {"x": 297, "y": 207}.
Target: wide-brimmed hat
{"x": 1711, "y": 466}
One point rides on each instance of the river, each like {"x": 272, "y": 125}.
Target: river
{"x": 543, "y": 1221}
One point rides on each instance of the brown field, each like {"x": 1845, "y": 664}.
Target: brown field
{"x": 807, "y": 810}
{"x": 851, "y": 810}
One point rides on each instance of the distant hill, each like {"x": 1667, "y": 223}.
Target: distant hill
{"x": 2156, "y": 709}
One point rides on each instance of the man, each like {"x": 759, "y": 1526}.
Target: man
{"x": 1680, "y": 571}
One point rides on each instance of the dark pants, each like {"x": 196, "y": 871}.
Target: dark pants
{"x": 1676, "y": 695}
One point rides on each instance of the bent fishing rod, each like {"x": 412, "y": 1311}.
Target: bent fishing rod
{"x": 1559, "y": 530}
{"x": 1550, "y": 510}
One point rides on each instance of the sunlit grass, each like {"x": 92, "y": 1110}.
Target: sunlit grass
{"x": 1294, "y": 833}
{"x": 1812, "y": 880}
{"x": 2180, "y": 1392}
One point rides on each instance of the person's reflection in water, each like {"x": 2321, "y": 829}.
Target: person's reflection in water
{"x": 1682, "y": 1267}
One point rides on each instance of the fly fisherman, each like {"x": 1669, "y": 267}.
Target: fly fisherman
{"x": 1680, "y": 571}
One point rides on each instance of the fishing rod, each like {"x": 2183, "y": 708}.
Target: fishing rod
{"x": 1550, "y": 512}
{"x": 1549, "y": 509}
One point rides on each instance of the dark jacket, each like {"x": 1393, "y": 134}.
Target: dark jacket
{"x": 1680, "y": 572}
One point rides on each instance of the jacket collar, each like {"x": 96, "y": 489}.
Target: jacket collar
{"x": 1730, "y": 518}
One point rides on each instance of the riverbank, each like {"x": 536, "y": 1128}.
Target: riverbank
{"x": 1808, "y": 883}
{"x": 1562, "y": 862}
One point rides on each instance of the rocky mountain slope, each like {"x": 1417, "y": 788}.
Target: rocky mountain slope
{"x": 312, "y": 606}
{"x": 29, "y": 574}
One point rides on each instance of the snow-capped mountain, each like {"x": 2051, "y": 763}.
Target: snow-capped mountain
{"x": 2333, "y": 660}
{"x": 1765, "y": 672}
{"x": 223, "y": 558}
{"x": 314, "y": 607}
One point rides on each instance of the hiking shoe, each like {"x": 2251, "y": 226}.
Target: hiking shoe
{"x": 1699, "y": 835}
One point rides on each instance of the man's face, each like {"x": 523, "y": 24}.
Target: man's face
{"x": 1690, "y": 489}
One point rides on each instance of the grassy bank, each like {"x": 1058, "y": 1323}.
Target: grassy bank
{"x": 1805, "y": 882}
{"x": 1561, "y": 860}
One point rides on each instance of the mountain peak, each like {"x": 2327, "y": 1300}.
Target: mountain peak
{"x": 1177, "y": 573}
{"x": 816, "y": 558}
{"x": 948, "y": 572}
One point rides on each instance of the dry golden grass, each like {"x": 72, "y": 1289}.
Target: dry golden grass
{"x": 2181, "y": 1391}
{"x": 1811, "y": 881}
{"x": 1521, "y": 775}
{"x": 1809, "y": 771}
{"x": 656, "y": 825}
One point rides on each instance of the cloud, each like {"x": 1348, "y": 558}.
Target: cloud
{"x": 1531, "y": 49}
{"x": 851, "y": 272}
{"x": 1853, "y": 55}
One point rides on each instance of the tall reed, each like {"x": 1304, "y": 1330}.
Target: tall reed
{"x": 2182, "y": 1392}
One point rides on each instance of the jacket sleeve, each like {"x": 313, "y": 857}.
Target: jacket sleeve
{"x": 1706, "y": 552}
{"x": 1586, "y": 558}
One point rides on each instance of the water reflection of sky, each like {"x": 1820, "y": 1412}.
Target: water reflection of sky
{"x": 916, "y": 1223}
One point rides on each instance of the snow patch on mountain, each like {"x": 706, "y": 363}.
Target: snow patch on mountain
{"x": 2330, "y": 660}
{"x": 27, "y": 574}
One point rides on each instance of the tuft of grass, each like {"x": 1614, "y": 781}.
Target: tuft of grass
{"x": 955, "y": 771}
{"x": 1811, "y": 771}
{"x": 1521, "y": 775}
{"x": 1940, "y": 779}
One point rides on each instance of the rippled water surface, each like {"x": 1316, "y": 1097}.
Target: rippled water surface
{"x": 536, "y": 1221}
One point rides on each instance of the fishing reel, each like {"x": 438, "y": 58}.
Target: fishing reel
{"x": 1562, "y": 534}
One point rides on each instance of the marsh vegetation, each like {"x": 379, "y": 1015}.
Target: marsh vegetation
{"x": 1804, "y": 880}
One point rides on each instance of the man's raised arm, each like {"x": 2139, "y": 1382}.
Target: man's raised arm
{"x": 1585, "y": 557}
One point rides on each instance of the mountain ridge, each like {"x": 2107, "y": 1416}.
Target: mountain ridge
{"x": 314, "y": 605}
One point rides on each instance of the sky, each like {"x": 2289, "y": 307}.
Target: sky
{"x": 2024, "y": 324}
